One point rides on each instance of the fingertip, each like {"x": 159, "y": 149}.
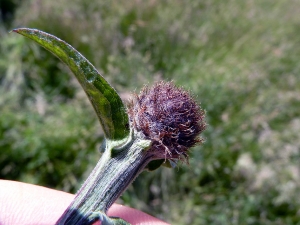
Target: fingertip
{"x": 31, "y": 204}
{"x": 133, "y": 216}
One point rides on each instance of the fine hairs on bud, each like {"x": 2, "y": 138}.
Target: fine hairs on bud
{"x": 169, "y": 117}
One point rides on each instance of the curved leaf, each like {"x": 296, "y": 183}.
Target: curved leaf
{"x": 105, "y": 100}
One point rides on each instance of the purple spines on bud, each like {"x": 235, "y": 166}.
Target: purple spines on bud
{"x": 168, "y": 116}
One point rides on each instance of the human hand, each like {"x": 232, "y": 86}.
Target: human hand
{"x": 22, "y": 203}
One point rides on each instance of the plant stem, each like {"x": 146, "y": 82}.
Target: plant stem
{"x": 116, "y": 169}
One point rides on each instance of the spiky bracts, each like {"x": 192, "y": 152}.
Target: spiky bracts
{"x": 168, "y": 116}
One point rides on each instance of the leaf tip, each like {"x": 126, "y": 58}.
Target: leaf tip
{"x": 16, "y": 30}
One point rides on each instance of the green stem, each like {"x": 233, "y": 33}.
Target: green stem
{"x": 116, "y": 169}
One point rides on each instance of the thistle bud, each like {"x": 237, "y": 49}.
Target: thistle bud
{"x": 169, "y": 117}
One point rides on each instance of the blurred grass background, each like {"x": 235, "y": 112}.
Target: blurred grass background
{"x": 239, "y": 58}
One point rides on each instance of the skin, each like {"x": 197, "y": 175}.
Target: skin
{"x": 22, "y": 203}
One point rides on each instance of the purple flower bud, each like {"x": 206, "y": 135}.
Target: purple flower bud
{"x": 169, "y": 117}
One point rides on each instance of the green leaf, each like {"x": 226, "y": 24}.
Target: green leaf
{"x": 155, "y": 164}
{"x": 105, "y": 100}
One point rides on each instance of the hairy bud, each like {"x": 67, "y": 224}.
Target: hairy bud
{"x": 169, "y": 117}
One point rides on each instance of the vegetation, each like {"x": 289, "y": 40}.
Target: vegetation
{"x": 239, "y": 58}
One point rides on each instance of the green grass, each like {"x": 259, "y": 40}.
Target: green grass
{"x": 239, "y": 58}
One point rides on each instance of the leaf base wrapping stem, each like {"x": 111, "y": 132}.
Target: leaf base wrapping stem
{"x": 116, "y": 169}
